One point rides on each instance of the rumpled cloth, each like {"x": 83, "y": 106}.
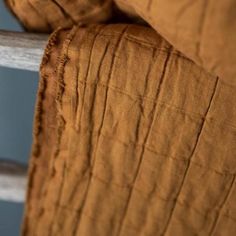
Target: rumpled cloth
{"x": 133, "y": 136}
{"x": 204, "y": 30}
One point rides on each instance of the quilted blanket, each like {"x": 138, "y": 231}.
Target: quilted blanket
{"x": 135, "y": 125}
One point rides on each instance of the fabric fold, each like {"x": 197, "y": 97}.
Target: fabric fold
{"x": 47, "y": 16}
{"x": 204, "y": 31}
{"x": 134, "y": 130}
{"x": 130, "y": 138}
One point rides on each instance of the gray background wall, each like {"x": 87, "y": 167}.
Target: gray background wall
{"x": 17, "y": 98}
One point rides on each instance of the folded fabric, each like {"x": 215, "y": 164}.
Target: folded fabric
{"x": 130, "y": 138}
{"x": 135, "y": 131}
{"x": 47, "y": 15}
{"x": 204, "y": 31}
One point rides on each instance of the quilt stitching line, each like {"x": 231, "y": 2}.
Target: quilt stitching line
{"x": 189, "y": 162}
{"x": 66, "y": 208}
{"x": 38, "y": 119}
{"x": 182, "y": 159}
{"x": 105, "y": 51}
{"x": 94, "y": 161}
{"x": 60, "y": 91}
{"x": 88, "y": 68}
{"x": 95, "y": 35}
{"x": 146, "y": 138}
{"x": 146, "y": 99}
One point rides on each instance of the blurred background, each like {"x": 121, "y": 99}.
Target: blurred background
{"x": 18, "y": 91}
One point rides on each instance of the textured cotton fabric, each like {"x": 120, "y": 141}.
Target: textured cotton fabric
{"x": 135, "y": 127}
{"x": 47, "y": 15}
{"x": 130, "y": 138}
{"x": 203, "y": 30}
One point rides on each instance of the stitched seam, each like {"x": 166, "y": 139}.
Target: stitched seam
{"x": 78, "y": 127}
{"x": 144, "y": 44}
{"x": 101, "y": 126}
{"x": 66, "y": 208}
{"x": 75, "y": 229}
{"x": 105, "y": 51}
{"x": 189, "y": 161}
{"x": 145, "y": 141}
{"x": 61, "y": 126}
{"x": 179, "y": 158}
{"x": 141, "y": 156}
{"x": 147, "y": 99}
{"x": 36, "y": 150}
{"x": 134, "y": 97}
{"x": 88, "y": 70}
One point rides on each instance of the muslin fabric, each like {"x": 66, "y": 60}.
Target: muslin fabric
{"x": 204, "y": 31}
{"x": 135, "y": 126}
{"x": 47, "y": 15}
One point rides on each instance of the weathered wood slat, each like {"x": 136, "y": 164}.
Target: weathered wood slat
{"x": 21, "y": 50}
{"x": 13, "y": 178}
